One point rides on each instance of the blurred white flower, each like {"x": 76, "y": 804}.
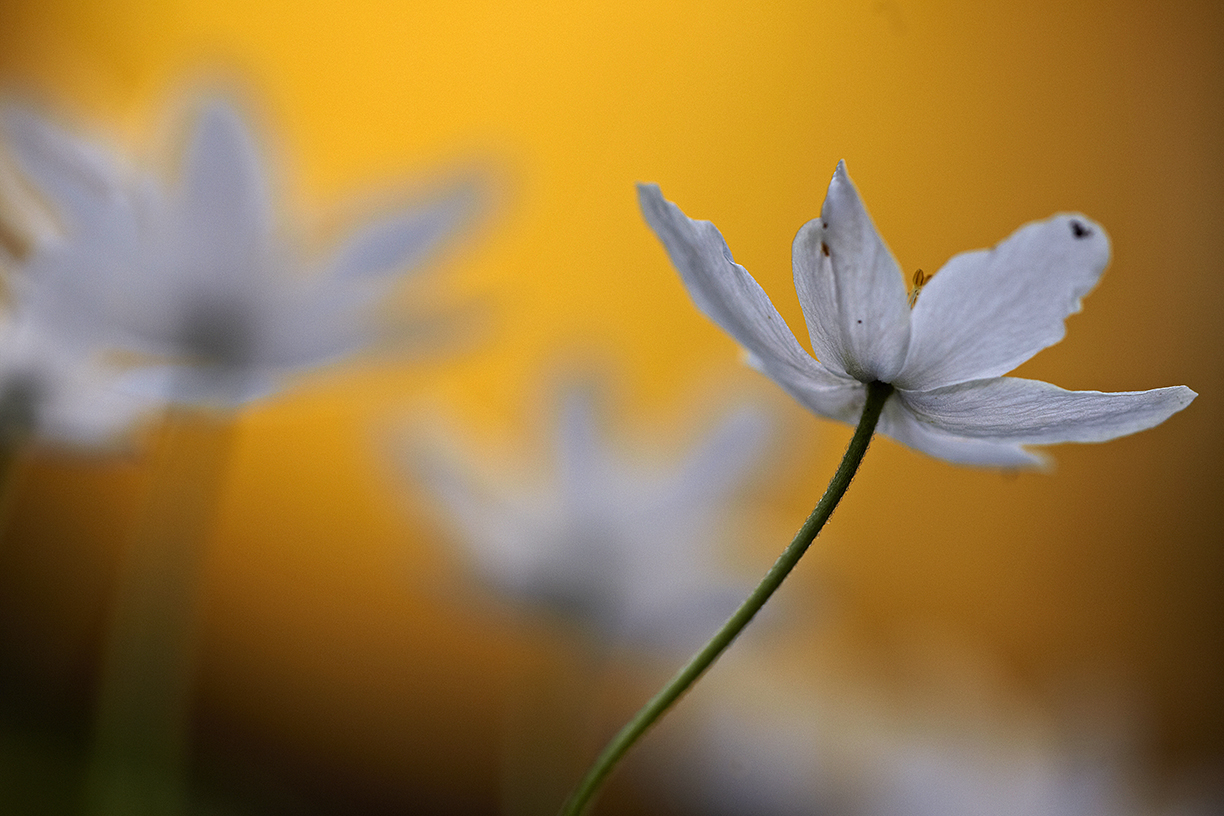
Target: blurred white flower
{"x": 979, "y": 317}
{"x": 968, "y": 774}
{"x": 628, "y": 549}
{"x": 199, "y": 274}
{"x": 771, "y": 738}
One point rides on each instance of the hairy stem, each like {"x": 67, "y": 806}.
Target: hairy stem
{"x": 657, "y": 706}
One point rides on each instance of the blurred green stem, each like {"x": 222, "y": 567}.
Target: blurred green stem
{"x": 877, "y": 395}
{"x": 10, "y": 477}
{"x": 550, "y": 726}
{"x": 143, "y": 719}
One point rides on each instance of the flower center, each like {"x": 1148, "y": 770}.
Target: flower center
{"x": 217, "y": 331}
{"x": 580, "y": 581}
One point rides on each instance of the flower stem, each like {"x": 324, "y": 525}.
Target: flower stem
{"x": 877, "y": 395}
{"x": 141, "y": 750}
{"x": 11, "y": 472}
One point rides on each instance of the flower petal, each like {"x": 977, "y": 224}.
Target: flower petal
{"x": 78, "y": 179}
{"x": 735, "y": 301}
{"x": 582, "y": 459}
{"x": 92, "y": 416}
{"x": 901, "y": 425}
{"x": 401, "y": 240}
{"x": 817, "y": 293}
{"x": 319, "y": 326}
{"x": 451, "y": 487}
{"x": 197, "y": 385}
{"x": 226, "y": 205}
{"x": 985, "y": 312}
{"x": 1009, "y": 409}
{"x": 851, "y": 289}
{"x": 721, "y": 461}
{"x": 842, "y": 400}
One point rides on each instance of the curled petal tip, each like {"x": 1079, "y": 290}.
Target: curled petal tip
{"x": 840, "y": 186}
{"x": 841, "y": 176}
{"x": 648, "y": 191}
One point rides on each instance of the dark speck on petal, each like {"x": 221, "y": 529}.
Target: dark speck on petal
{"x": 1079, "y": 230}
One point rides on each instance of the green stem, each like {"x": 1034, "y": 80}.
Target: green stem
{"x": 877, "y": 394}
{"x": 139, "y": 764}
{"x": 11, "y": 471}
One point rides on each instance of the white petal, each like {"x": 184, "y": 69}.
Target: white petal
{"x": 302, "y": 345}
{"x": 985, "y": 312}
{"x": 899, "y": 424}
{"x": 723, "y": 460}
{"x": 818, "y": 296}
{"x": 734, "y": 300}
{"x": 851, "y": 289}
{"x": 64, "y": 393}
{"x": 198, "y": 385}
{"x": 92, "y": 416}
{"x": 78, "y": 179}
{"x": 841, "y": 400}
{"x": 310, "y": 324}
{"x": 453, "y": 491}
{"x": 581, "y": 456}
{"x": 226, "y": 203}
{"x": 1009, "y": 409}
{"x": 403, "y": 239}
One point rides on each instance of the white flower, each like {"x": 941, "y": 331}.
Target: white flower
{"x": 980, "y": 316}
{"x": 200, "y": 273}
{"x": 772, "y": 735}
{"x": 972, "y": 774}
{"x": 608, "y": 542}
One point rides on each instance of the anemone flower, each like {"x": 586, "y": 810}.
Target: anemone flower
{"x": 980, "y": 316}
{"x": 198, "y": 274}
{"x": 969, "y": 774}
{"x": 609, "y": 542}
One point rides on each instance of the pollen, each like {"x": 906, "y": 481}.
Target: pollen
{"x": 920, "y": 280}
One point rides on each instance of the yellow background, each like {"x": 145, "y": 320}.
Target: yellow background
{"x": 327, "y": 627}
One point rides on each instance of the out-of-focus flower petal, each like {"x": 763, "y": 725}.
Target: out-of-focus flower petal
{"x": 224, "y": 199}
{"x": 78, "y": 179}
{"x": 404, "y": 239}
{"x": 214, "y": 387}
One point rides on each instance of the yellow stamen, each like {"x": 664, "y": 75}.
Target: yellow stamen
{"x": 920, "y": 280}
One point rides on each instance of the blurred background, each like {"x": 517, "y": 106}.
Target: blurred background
{"x": 1053, "y": 640}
